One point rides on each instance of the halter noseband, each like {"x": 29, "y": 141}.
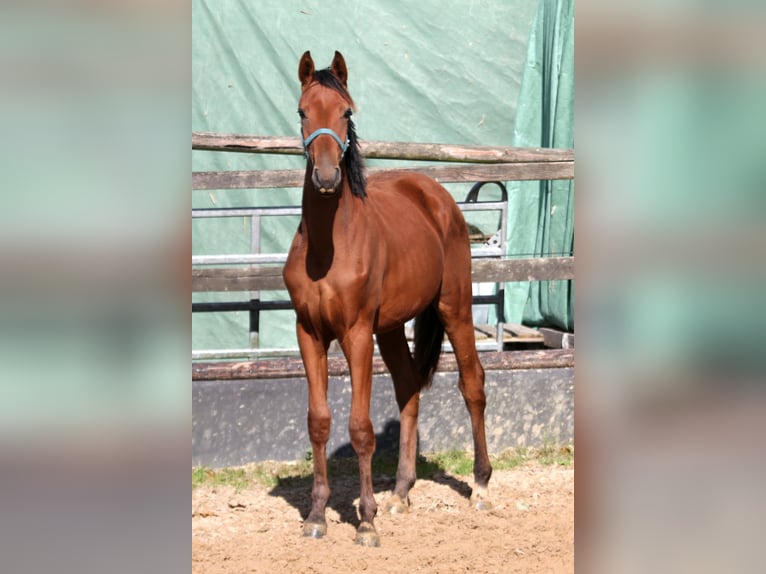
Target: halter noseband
{"x": 329, "y": 132}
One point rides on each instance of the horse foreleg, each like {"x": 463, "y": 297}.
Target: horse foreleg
{"x": 358, "y": 346}
{"x": 314, "y": 354}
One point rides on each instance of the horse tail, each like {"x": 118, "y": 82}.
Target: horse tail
{"x": 429, "y": 334}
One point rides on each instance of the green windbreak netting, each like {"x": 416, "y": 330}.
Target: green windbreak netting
{"x": 545, "y": 118}
{"x": 431, "y": 71}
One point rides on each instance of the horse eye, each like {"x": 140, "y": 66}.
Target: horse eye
{"x": 347, "y": 114}
{"x": 302, "y": 114}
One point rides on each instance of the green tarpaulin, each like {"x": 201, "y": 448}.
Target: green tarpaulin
{"x": 545, "y": 118}
{"x": 431, "y": 71}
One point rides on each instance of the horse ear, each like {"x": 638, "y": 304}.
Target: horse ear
{"x": 306, "y": 69}
{"x": 338, "y": 68}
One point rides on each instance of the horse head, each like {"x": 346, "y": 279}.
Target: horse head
{"x": 327, "y": 131}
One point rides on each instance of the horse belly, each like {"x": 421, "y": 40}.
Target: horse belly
{"x": 408, "y": 289}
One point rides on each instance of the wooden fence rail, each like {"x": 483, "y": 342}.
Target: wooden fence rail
{"x": 441, "y": 173}
{"x": 267, "y": 278}
{"x": 287, "y": 145}
{"x": 478, "y": 163}
{"x": 337, "y": 365}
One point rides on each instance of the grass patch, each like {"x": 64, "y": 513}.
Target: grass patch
{"x": 549, "y": 454}
{"x": 268, "y": 474}
{"x": 456, "y": 462}
{"x": 553, "y": 454}
{"x": 452, "y": 462}
{"x": 236, "y": 477}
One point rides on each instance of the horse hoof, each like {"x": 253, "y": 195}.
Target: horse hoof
{"x": 367, "y": 536}
{"x": 482, "y": 505}
{"x": 314, "y": 529}
{"x": 396, "y": 505}
{"x": 480, "y": 498}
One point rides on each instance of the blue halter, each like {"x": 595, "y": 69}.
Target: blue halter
{"x": 329, "y": 132}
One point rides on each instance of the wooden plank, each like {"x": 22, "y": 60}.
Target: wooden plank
{"x": 528, "y": 336}
{"x": 269, "y": 179}
{"x": 265, "y": 179}
{"x": 511, "y": 334}
{"x": 522, "y": 332}
{"x": 484, "y": 332}
{"x": 462, "y": 153}
{"x": 383, "y": 149}
{"x": 289, "y": 145}
{"x": 557, "y": 339}
{"x": 337, "y": 365}
{"x": 263, "y": 278}
{"x": 533, "y": 269}
{"x": 238, "y": 279}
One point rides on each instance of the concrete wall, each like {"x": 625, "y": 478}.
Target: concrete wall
{"x": 241, "y": 421}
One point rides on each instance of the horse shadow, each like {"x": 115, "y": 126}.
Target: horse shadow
{"x": 344, "y": 477}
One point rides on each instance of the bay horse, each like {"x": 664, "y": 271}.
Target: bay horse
{"x": 369, "y": 255}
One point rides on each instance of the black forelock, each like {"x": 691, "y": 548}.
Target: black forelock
{"x": 329, "y": 80}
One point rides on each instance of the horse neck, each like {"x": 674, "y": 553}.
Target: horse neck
{"x": 326, "y": 219}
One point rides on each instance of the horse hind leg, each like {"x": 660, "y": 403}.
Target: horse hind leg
{"x": 396, "y": 354}
{"x": 455, "y": 312}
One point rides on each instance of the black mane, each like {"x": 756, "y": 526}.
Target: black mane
{"x": 353, "y": 158}
{"x": 355, "y": 164}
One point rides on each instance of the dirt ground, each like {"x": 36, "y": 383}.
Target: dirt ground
{"x": 530, "y": 529}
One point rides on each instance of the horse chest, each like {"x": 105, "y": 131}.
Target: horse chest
{"x": 329, "y": 302}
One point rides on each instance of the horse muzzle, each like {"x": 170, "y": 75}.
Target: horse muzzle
{"x": 326, "y": 182}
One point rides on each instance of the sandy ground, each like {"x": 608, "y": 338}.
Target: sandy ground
{"x": 530, "y": 529}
